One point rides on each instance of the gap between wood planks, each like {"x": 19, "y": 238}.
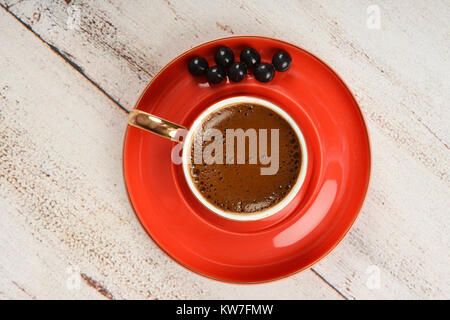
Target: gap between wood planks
{"x": 80, "y": 70}
{"x": 328, "y": 283}
{"x": 67, "y": 59}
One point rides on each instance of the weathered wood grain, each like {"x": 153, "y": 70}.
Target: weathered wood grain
{"x": 399, "y": 75}
{"x": 400, "y": 69}
{"x": 62, "y": 200}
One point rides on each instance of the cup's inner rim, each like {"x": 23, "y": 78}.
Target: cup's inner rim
{"x": 215, "y": 107}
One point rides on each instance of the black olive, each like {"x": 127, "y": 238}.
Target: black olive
{"x": 237, "y": 71}
{"x": 224, "y": 57}
{"x": 264, "y": 72}
{"x": 281, "y": 61}
{"x": 198, "y": 66}
{"x": 215, "y": 74}
{"x": 251, "y": 57}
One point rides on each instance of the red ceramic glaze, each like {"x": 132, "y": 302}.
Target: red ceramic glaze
{"x": 280, "y": 245}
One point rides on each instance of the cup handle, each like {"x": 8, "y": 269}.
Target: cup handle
{"x": 154, "y": 124}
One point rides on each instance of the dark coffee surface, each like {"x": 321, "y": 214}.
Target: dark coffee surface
{"x": 240, "y": 188}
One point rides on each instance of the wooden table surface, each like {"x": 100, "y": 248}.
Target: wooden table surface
{"x": 71, "y": 70}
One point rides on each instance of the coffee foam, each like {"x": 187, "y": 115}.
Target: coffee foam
{"x": 240, "y": 188}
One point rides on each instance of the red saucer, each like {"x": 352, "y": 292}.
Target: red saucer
{"x": 275, "y": 247}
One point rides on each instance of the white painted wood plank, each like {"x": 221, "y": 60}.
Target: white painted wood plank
{"x": 62, "y": 199}
{"x": 397, "y": 71}
{"x": 399, "y": 75}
